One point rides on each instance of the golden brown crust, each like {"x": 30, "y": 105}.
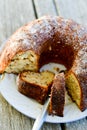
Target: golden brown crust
{"x": 82, "y": 79}
{"x": 57, "y": 100}
{"x": 52, "y": 39}
{"x": 39, "y": 35}
{"x": 33, "y": 90}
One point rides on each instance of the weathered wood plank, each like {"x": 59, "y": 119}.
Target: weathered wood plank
{"x": 14, "y": 14}
{"x": 78, "y": 125}
{"x": 10, "y": 119}
{"x": 76, "y": 9}
{"x": 45, "y": 7}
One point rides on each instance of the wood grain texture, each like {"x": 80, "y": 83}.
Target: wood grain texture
{"x": 77, "y": 125}
{"x": 10, "y": 119}
{"x": 14, "y": 14}
{"x": 76, "y": 9}
{"x": 45, "y": 7}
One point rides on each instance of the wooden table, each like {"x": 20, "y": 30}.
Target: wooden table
{"x": 15, "y": 13}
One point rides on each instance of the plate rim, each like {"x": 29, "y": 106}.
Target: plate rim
{"x": 33, "y": 117}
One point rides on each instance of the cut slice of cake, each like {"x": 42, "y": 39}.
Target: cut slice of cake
{"x": 35, "y": 85}
{"x": 75, "y": 91}
{"x": 57, "y": 99}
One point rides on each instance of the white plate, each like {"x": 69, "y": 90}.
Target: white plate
{"x": 31, "y": 108}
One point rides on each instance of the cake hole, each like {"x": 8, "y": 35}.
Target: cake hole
{"x": 53, "y": 67}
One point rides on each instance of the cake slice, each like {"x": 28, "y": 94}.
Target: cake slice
{"x": 75, "y": 91}
{"x": 35, "y": 85}
{"x": 57, "y": 99}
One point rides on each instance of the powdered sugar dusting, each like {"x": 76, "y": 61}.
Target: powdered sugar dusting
{"x": 81, "y": 61}
{"x": 36, "y": 34}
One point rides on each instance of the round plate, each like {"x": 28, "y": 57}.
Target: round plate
{"x": 31, "y": 108}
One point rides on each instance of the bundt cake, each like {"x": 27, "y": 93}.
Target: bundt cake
{"x": 35, "y": 85}
{"x": 50, "y": 39}
{"x": 57, "y": 99}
